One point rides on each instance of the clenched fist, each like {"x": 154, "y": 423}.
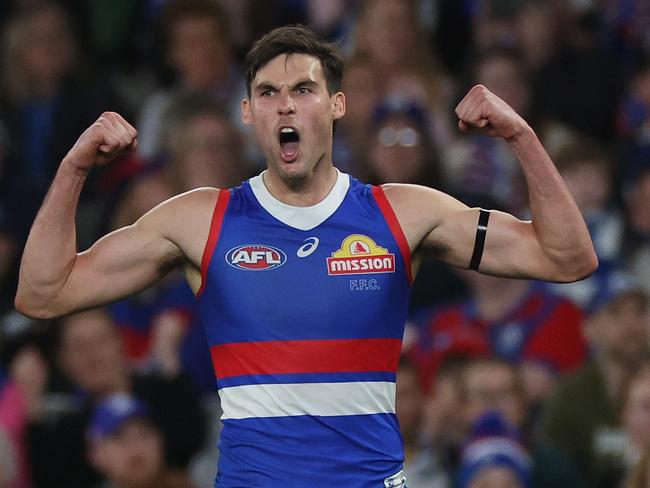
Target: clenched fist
{"x": 109, "y": 137}
{"x": 483, "y": 111}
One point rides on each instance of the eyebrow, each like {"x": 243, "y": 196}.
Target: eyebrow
{"x": 267, "y": 85}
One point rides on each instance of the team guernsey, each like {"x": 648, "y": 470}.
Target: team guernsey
{"x": 304, "y": 311}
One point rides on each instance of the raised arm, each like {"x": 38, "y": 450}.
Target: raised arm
{"x": 54, "y": 279}
{"x": 554, "y": 246}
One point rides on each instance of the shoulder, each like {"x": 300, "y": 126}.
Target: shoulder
{"x": 409, "y": 197}
{"x": 186, "y": 205}
{"x": 419, "y": 209}
{"x": 182, "y": 216}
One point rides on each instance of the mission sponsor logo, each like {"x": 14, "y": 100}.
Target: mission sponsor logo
{"x": 256, "y": 257}
{"x": 359, "y": 254}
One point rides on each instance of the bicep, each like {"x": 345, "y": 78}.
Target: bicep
{"x": 511, "y": 245}
{"x": 120, "y": 264}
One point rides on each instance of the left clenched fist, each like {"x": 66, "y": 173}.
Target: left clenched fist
{"x": 483, "y": 111}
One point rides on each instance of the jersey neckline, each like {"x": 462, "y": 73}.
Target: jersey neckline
{"x": 302, "y": 218}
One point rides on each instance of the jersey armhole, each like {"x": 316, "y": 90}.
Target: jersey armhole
{"x": 213, "y": 236}
{"x": 395, "y": 228}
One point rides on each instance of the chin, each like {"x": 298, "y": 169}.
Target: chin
{"x": 293, "y": 170}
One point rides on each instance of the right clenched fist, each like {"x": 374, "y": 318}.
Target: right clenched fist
{"x": 109, "y": 137}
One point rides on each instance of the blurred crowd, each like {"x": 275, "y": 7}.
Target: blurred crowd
{"x": 502, "y": 383}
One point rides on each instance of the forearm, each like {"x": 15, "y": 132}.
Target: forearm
{"x": 556, "y": 219}
{"x": 51, "y": 247}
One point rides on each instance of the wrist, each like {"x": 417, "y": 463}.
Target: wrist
{"x": 70, "y": 166}
{"x": 524, "y": 136}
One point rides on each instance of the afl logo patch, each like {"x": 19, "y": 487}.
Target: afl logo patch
{"x": 256, "y": 257}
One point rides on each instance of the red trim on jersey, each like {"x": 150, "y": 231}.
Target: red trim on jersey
{"x": 306, "y": 356}
{"x": 395, "y": 228}
{"x": 213, "y": 237}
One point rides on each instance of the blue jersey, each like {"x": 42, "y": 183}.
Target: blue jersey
{"x": 304, "y": 311}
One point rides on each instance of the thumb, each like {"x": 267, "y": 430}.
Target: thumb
{"x": 107, "y": 148}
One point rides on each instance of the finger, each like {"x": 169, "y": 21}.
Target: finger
{"x": 118, "y": 126}
{"x": 112, "y": 141}
{"x": 130, "y": 129}
{"x": 462, "y": 126}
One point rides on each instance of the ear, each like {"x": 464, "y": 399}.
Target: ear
{"x": 246, "y": 115}
{"x": 338, "y": 105}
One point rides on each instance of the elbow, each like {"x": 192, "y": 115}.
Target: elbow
{"x": 578, "y": 267}
{"x": 34, "y": 306}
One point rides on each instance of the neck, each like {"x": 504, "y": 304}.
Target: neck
{"x": 302, "y": 191}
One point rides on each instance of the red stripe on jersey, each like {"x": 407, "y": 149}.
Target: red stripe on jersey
{"x": 395, "y": 228}
{"x": 310, "y": 356}
{"x": 213, "y": 237}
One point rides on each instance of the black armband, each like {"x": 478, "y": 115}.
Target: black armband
{"x": 479, "y": 242}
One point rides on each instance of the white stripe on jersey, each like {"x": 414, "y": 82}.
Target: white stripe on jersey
{"x": 292, "y": 399}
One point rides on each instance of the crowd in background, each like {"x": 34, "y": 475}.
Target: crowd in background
{"x": 502, "y": 383}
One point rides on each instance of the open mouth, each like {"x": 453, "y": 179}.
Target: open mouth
{"x": 289, "y": 142}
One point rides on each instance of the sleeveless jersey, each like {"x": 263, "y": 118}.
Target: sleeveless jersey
{"x": 304, "y": 312}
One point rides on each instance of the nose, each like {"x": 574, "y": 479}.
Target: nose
{"x": 286, "y": 105}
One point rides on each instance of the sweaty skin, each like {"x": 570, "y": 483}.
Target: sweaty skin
{"x": 291, "y": 90}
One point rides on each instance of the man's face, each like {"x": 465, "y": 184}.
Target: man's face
{"x": 621, "y": 329}
{"x": 198, "y": 52}
{"x": 589, "y": 183}
{"x": 132, "y": 456}
{"x": 207, "y": 155}
{"x": 397, "y": 154}
{"x": 91, "y": 352}
{"x": 492, "y": 387}
{"x": 292, "y": 113}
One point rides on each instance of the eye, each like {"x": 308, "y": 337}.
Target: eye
{"x": 302, "y": 89}
{"x": 267, "y": 93}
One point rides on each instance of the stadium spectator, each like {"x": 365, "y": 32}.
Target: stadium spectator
{"x": 570, "y": 86}
{"x": 519, "y": 321}
{"x": 493, "y": 385}
{"x": 90, "y": 354}
{"x": 352, "y": 137}
{"x": 24, "y": 376}
{"x": 637, "y": 237}
{"x": 200, "y": 54}
{"x": 635, "y": 419}
{"x": 45, "y": 101}
{"x": 443, "y": 424}
{"x": 127, "y": 447}
{"x": 589, "y": 174}
{"x": 582, "y": 417}
{"x": 494, "y": 456}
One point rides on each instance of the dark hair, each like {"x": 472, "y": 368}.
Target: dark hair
{"x": 180, "y": 10}
{"x": 294, "y": 39}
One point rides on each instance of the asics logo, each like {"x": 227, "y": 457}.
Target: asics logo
{"x": 311, "y": 243}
